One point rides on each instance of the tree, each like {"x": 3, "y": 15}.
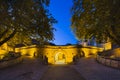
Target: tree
{"x": 23, "y": 20}
{"x": 98, "y": 18}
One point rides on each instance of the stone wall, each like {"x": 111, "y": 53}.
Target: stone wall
{"x": 28, "y": 50}
{"x": 10, "y": 62}
{"x": 2, "y": 53}
{"x": 91, "y": 50}
{"x": 50, "y": 52}
{"x": 108, "y": 62}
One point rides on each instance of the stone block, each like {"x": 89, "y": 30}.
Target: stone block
{"x": 100, "y": 59}
{"x": 114, "y": 63}
{"x": 103, "y": 60}
{"x": 119, "y": 64}
{"x": 108, "y": 62}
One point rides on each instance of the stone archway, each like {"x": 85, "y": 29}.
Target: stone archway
{"x": 59, "y": 58}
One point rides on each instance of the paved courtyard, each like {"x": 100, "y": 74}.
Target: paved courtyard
{"x": 85, "y": 69}
{"x": 91, "y": 70}
{"x": 30, "y": 69}
{"x": 61, "y": 72}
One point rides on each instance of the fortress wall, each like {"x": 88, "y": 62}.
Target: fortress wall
{"x": 50, "y": 52}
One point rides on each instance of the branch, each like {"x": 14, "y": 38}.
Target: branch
{"x": 8, "y": 38}
{"x": 1, "y": 35}
{"x": 112, "y": 37}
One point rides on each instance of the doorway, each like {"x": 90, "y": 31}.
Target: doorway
{"x": 59, "y": 58}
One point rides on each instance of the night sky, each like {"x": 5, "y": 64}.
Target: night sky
{"x": 60, "y": 9}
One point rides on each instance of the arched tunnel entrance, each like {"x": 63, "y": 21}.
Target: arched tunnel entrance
{"x": 59, "y": 58}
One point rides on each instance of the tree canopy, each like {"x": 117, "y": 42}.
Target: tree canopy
{"x": 96, "y": 18}
{"x": 24, "y": 20}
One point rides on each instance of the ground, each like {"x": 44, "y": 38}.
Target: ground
{"x": 30, "y": 69}
{"x": 61, "y": 72}
{"x": 85, "y": 69}
{"x": 91, "y": 70}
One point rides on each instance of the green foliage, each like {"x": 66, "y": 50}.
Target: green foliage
{"x": 98, "y": 18}
{"x": 25, "y": 20}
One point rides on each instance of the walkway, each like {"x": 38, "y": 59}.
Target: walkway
{"x": 61, "y": 72}
{"x": 91, "y": 70}
{"x": 30, "y": 69}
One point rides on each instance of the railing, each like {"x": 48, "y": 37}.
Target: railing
{"x": 108, "y": 62}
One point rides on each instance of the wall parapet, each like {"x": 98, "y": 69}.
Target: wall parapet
{"x": 108, "y": 62}
{"x": 10, "y": 62}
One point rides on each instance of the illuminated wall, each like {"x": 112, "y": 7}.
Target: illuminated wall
{"x": 54, "y": 54}
{"x": 106, "y": 46}
{"x": 91, "y": 50}
{"x": 58, "y": 54}
{"x": 28, "y": 50}
{"x": 4, "y": 49}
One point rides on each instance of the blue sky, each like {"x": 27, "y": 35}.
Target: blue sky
{"x": 60, "y": 9}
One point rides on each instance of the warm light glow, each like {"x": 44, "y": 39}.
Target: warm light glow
{"x": 57, "y": 54}
{"x": 60, "y": 58}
